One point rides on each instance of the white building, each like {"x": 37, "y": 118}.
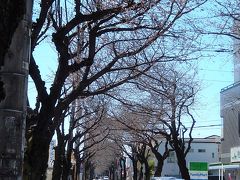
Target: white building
{"x": 202, "y": 150}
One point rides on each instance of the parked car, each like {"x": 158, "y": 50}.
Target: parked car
{"x": 155, "y": 178}
{"x": 105, "y": 178}
{"x": 163, "y": 178}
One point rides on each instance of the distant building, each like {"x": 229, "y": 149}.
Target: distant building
{"x": 202, "y": 150}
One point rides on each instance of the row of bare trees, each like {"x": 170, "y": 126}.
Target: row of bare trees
{"x": 157, "y": 117}
{"x": 107, "y": 43}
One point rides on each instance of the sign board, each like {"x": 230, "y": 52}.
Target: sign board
{"x": 198, "y": 170}
{"x": 235, "y": 154}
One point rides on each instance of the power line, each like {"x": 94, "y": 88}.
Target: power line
{"x": 215, "y": 70}
{"x": 206, "y": 126}
{"x": 214, "y": 80}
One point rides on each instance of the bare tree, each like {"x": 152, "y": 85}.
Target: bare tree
{"x": 158, "y": 115}
{"x": 171, "y": 92}
{"x": 154, "y": 144}
{"x": 106, "y": 158}
{"x": 220, "y": 27}
{"x": 84, "y": 132}
{"x": 137, "y": 127}
{"x": 129, "y": 134}
{"x": 108, "y": 43}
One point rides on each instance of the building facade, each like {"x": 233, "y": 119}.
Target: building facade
{"x": 202, "y": 150}
{"x": 230, "y": 114}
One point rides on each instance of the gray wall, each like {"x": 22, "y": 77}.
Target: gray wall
{"x": 230, "y": 109}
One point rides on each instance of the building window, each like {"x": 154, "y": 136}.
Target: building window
{"x": 201, "y": 150}
{"x": 171, "y": 157}
{"x": 213, "y": 155}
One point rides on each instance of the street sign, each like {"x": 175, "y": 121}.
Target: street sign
{"x": 235, "y": 154}
{"x": 198, "y": 170}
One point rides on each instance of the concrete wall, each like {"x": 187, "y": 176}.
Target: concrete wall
{"x": 230, "y": 112}
{"x": 229, "y": 97}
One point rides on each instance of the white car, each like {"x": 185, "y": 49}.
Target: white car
{"x": 105, "y": 178}
{"x": 163, "y": 178}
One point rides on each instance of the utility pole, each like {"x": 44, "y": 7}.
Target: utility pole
{"x": 14, "y": 75}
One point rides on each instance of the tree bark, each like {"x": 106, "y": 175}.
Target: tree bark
{"x": 67, "y": 165}
{"x": 37, "y": 152}
{"x": 57, "y": 168}
{"x": 36, "y": 156}
{"x": 158, "y": 171}
{"x": 124, "y": 169}
{"x": 141, "y": 173}
{"x": 160, "y": 161}
{"x": 59, "y": 157}
{"x": 179, "y": 150}
{"x": 78, "y": 165}
{"x": 147, "y": 170}
{"x": 135, "y": 170}
{"x": 182, "y": 164}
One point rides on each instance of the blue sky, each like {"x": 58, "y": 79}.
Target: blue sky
{"x": 214, "y": 73}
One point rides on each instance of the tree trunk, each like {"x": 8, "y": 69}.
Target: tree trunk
{"x": 158, "y": 171}
{"x": 36, "y": 155}
{"x": 147, "y": 170}
{"x": 78, "y": 166}
{"x": 58, "y": 162}
{"x": 182, "y": 164}
{"x": 135, "y": 170}
{"x": 87, "y": 170}
{"x": 121, "y": 168}
{"x": 160, "y": 161}
{"x": 113, "y": 172}
{"x": 37, "y": 152}
{"x": 141, "y": 173}
{"x": 179, "y": 146}
{"x": 124, "y": 169}
{"x": 66, "y": 169}
{"x": 179, "y": 150}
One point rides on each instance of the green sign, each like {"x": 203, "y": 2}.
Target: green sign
{"x": 198, "y": 166}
